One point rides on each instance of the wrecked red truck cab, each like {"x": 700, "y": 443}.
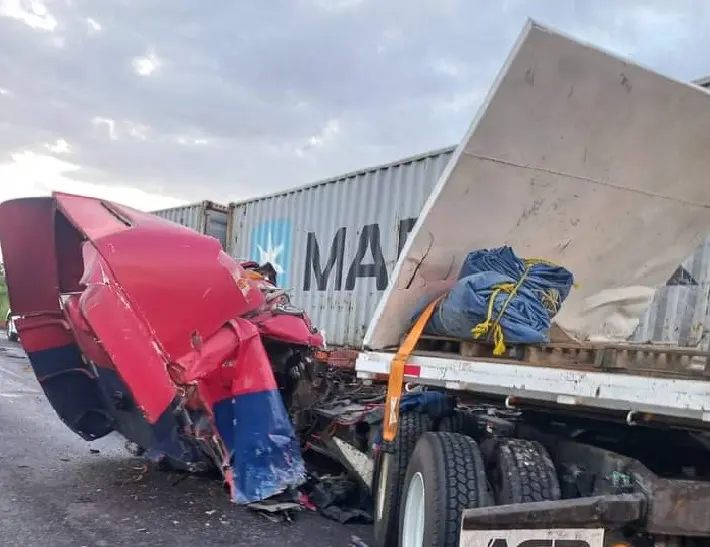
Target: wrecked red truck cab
{"x": 141, "y": 326}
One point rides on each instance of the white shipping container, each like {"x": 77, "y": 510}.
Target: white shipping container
{"x": 206, "y": 217}
{"x": 335, "y": 242}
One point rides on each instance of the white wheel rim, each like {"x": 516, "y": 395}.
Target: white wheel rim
{"x": 382, "y": 485}
{"x": 413, "y": 525}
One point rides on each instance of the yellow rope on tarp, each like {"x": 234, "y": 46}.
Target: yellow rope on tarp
{"x": 549, "y": 299}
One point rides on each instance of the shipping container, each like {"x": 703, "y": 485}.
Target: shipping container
{"x": 206, "y": 217}
{"x": 335, "y": 242}
{"x": 679, "y": 312}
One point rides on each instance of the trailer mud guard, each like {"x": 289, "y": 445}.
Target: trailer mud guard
{"x": 613, "y": 511}
{"x": 665, "y": 507}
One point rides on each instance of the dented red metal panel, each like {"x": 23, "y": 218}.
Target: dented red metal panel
{"x": 135, "y": 324}
{"x": 39, "y": 264}
{"x": 139, "y": 259}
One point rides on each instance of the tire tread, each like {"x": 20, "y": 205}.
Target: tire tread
{"x": 455, "y": 474}
{"x": 466, "y": 484}
{"x": 528, "y": 471}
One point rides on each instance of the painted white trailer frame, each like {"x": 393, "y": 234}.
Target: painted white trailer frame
{"x": 664, "y": 397}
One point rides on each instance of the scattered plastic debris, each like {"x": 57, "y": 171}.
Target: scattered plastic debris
{"x": 340, "y": 499}
{"x": 276, "y": 511}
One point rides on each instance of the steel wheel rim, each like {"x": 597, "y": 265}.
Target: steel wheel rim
{"x": 414, "y": 513}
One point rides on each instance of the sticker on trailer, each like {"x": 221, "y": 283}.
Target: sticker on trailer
{"x": 560, "y": 537}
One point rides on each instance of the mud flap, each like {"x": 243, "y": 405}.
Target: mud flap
{"x": 560, "y": 537}
{"x": 563, "y": 523}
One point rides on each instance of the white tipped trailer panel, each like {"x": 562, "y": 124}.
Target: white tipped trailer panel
{"x": 576, "y": 157}
{"x": 585, "y": 160}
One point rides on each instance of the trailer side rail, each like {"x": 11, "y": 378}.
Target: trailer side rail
{"x": 681, "y": 399}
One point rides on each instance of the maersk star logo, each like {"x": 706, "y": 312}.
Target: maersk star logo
{"x": 271, "y": 253}
{"x": 271, "y": 242}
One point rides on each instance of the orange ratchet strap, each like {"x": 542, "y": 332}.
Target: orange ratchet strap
{"x": 396, "y": 377}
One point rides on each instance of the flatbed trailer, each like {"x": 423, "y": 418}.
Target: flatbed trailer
{"x": 599, "y": 165}
{"x": 606, "y": 421}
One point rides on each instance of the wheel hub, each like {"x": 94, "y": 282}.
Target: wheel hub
{"x": 414, "y": 513}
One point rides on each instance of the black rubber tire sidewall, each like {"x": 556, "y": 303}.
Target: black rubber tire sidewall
{"x": 411, "y": 426}
{"x": 454, "y": 476}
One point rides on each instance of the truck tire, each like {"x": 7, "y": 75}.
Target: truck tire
{"x": 522, "y": 471}
{"x": 446, "y": 475}
{"x": 459, "y": 422}
{"x": 388, "y": 476}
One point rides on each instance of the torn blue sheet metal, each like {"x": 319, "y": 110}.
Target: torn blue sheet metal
{"x": 265, "y": 455}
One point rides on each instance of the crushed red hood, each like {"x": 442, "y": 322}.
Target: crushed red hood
{"x": 136, "y": 324}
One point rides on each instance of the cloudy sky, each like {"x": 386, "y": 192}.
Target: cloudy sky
{"x": 154, "y": 102}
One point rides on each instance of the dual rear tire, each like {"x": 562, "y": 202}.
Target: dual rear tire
{"x": 446, "y": 473}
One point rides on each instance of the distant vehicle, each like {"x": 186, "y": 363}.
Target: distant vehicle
{"x": 10, "y": 327}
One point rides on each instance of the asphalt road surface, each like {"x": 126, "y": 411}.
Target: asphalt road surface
{"x": 58, "y": 490}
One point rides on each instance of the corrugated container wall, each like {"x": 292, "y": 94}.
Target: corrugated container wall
{"x": 206, "y": 217}
{"x": 334, "y": 243}
{"x": 679, "y": 312}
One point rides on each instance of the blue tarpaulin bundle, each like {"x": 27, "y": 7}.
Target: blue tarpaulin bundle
{"x": 501, "y": 298}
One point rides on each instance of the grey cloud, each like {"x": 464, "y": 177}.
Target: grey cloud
{"x": 281, "y": 93}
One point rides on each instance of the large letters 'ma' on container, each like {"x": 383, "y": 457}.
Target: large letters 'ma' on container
{"x": 334, "y": 243}
{"x": 206, "y": 217}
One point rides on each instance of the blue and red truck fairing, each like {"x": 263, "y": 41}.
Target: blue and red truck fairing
{"x": 141, "y": 326}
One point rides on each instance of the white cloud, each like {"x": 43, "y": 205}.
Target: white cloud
{"x": 461, "y": 102}
{"x": 34, "y": 14}
{"x": 185, "y": 140}
{"x": 60, "y": 146}
{"x": 447, "y": 67}
{"x": 329, "y": 132}
{"x": 138, "y": 131}
{"x": 259, "y": 96}
{"x": 34, "y": 174}
{"x": 110, "y": 126}
{"x": 146, "y": 65}
{"x": 338, "y": 5}
{"x": 93, "y": 24}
